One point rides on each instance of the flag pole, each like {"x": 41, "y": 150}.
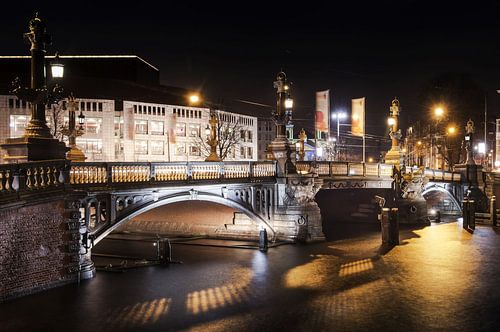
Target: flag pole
{"x": 364, "y": 129}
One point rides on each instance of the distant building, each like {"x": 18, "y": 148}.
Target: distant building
{"x": 129, "y": 116}
{"x": 266, "y": 133}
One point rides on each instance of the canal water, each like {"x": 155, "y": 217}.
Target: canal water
{"x": 439, "y": 278}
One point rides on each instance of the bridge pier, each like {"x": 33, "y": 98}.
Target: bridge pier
{"x": 296, "y": 206}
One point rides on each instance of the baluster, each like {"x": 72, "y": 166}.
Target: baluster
{"x": 49, "y": 176}
{"x": 41, "y": 173}
{"x": 1, "y": 181}
{"x": 55, "y": 180}
{"x": 8, "y": 187}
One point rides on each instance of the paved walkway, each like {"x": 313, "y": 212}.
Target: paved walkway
{"x": 440, "y": 278}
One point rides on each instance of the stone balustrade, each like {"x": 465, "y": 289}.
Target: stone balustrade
{"x": 333, "y": 168}
{"x": 116, "y": 173}
{"x": 31, "y": 176}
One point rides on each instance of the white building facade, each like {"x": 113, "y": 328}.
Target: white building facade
{"x": 137, "y": 131}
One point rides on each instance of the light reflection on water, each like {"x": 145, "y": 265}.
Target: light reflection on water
{"x": 204, "y": 300}
{"x": 138, "y": 314}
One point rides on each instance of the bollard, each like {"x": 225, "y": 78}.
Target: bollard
{"x": 493, "y": 210}
{"x": 394, "y": 227}
{"x": 164, "y": 251}
{"x": 465, "y": 214}
{"x": 384, "y": 223}
{"x": 263, "y": 240}
{"x": 438, "y": 216}
{"x": 472, "y": 215}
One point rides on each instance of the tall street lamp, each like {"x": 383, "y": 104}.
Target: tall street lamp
{"x": 212, "y": 140}
{"x": 75, "y": 154}
{"x": 339, "y": 115}
{"x": 279, "y": 149}
{"x": 37, "y": 142}
{"x": 394, "y": 155}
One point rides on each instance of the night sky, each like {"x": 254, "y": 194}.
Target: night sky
{"x": 232, "y": 52}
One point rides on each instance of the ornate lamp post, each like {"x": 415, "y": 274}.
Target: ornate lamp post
{"x": 212, "y": 137}
{"x": 394, "y": 155}
{"x": 75, "y": 154}
{"x": 37, "y": 142}
{"x": 279, "y": 149}
{"x": 302, "y": 139}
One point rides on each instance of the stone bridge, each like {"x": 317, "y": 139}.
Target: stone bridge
{"x": 52, "y": 213}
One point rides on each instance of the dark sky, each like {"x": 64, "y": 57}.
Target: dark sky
{"x": 377, "y": 49}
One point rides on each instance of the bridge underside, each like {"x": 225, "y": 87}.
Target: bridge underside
{"x": 194, "y": 218}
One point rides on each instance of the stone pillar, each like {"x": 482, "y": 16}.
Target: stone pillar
{"x": 297, "y": 214}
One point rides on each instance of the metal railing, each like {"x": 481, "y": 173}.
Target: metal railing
{"x": 334, "y": 168}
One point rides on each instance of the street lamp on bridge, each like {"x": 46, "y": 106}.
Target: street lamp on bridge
{"x": 37, "y": 142}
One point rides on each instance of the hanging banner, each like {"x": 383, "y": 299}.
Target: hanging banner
{"x": 358, "y": 117}
{"x": 322, "y": 111}
{"x": 171, "y": 127}
{"x": 129, "y": 123}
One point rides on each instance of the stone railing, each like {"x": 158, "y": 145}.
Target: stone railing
{"x": 31, "y": 177}
{"x": 440, "y": 175}
{"x": 334, "y": 168}
{"x": 116, "y": 173}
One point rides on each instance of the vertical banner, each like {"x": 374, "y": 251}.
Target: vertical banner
{"x": 322, "y": 119}
{"x": 358, "y": 117}
{"x": 171, "y": 127}
{"x": 129, "y": 122}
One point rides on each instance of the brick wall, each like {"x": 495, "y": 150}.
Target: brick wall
{"x": 33, "y": 249}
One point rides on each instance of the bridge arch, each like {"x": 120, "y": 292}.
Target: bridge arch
{"x": 184, "y": 197}
{"x": 438, "y": 189}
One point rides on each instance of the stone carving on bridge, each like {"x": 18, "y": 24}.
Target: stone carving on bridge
{"x": 193, "y": 194}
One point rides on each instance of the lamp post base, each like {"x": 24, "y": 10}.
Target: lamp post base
{"x": 75, "y": 154}
{"x": 394, "y": 157}
{"x": 213, "y": 157}
{"x": 25, "y": 149}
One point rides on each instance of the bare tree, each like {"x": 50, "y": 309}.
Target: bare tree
{"x": 228, "y": 136}
{"x": 56, "y": 118}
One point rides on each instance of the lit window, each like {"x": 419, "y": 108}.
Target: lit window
{"x": 180, "y": 129}
{"x": 157, "y": 147}
{"x": 141, "y": 146}
{"x": 141, "y": 127}
{"x": 194, "y": 150}
{"x": 180, "y": 149}
{"x": 17, "y": 125}
{"x": 93, "y": 125}
{"x": 194, "y": 130}
{"x": 157, "y": 127}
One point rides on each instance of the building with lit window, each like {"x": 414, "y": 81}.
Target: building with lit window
{"x": 129, "y": 116}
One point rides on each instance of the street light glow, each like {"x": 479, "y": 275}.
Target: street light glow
{"x": 439, "y": 112}
{"x": 452, "y": 130}
{"x": 339, "y": 115}
{"x": 481, "y": 147}
{"x": 288, "y": 103}
{"x": 194, "y": 99}
{"x": 391, "y": 121}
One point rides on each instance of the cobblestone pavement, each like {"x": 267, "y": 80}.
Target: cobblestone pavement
{"x": 440, "y": 278}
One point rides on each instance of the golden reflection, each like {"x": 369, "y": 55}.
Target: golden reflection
{"x": 148, "y": 312}
{"x": 311, "y": 275}
{"x": 212, "y": 298}
{"x": 355, "y": 267}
